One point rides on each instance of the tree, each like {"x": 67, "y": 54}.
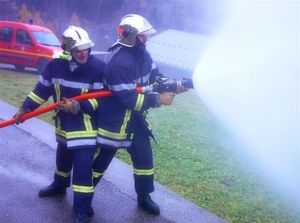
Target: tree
{"x": 74, "y": 20}
{"x": 24, "y": 13}
{"x": 37, "y": 19}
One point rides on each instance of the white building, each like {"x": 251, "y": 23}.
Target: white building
{"x": 177, "y": 53}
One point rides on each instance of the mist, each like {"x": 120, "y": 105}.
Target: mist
{"x": 249, "y": 77}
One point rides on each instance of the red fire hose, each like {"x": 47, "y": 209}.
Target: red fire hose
{"x": 39, "y": 111}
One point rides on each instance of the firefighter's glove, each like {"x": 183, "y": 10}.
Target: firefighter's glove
{"x": 19, "y": 113}
{"x": 166, "y": 98}
{"x": 70, "y": 106}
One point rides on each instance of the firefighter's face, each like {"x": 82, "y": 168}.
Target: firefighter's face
{"x": 81, "y": 56}
{"x": 142, "y": 38}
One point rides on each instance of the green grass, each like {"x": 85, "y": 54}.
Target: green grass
{"x": 194, "y": 156}
{"x": 15, "y": 86}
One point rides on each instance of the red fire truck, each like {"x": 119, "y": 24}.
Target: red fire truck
{"x": 26, "y": 45}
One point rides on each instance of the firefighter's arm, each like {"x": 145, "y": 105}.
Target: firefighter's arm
{"x": 123, "y": 87}
{"x": 34, "y": 99}
{"x": 38, "y": 96}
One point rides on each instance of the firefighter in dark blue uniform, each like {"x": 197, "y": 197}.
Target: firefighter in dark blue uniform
{"x": 122, "y": 118}
{"x": 73, "y": 74}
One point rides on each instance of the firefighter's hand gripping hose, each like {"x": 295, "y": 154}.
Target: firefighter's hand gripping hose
{"x": 164, "y": 85}
{"x": 70, "y": 106}
{"x": 166, "y": 98}
{"x": 20, "y": 113}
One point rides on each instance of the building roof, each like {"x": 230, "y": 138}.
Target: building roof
{"x": 177, "y": 48}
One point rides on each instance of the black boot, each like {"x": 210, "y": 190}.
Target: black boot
{"x": 82, "y": 218}
{"x": 91, "y": 212}
{"x": 52, "y": 190}
{"x": 145, "y": 202}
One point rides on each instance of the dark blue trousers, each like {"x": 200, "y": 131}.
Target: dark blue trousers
{"x": 142, "y": 159}
{"x": 81, "y": 159}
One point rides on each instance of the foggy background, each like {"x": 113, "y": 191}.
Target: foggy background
{"x": 101, "y": 17}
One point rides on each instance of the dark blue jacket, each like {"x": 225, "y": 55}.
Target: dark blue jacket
{"x": 122, "y": 114}
{"x": 60, "y": 82}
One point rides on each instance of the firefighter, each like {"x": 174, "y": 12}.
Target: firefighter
{"x": 75, "y": 73}
{"x": 122, "y": 119}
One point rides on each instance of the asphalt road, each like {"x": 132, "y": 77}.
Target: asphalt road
{"x": 27, "y": 162}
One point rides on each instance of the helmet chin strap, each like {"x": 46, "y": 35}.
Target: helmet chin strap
{"x": 114, "y": 46}
{"x": 74, "y": 64}
{"x": 139, "y": 45}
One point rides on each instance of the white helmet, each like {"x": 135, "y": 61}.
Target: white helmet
{"x": 138, "y": 22}
{"x": 130, "y": 26}
{"x": 76, "y": 38}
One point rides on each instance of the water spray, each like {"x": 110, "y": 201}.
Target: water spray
{"x": 249, "y": 77}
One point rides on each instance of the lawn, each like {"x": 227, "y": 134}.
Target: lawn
{"x": 194, "y": 157}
